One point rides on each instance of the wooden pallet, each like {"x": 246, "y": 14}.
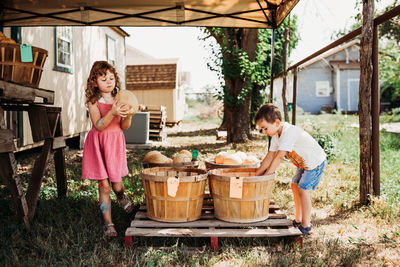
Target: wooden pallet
{"x": 277, "y": 225}
{"x": 158, "y": 118}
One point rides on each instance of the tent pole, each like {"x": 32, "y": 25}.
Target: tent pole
{"x": 294, "y": 99}
{"x": 271, "y": 96}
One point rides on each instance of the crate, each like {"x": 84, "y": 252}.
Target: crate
{"x": 25, "y": 73}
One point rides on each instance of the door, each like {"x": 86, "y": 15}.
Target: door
{"x": 352, "y": 94}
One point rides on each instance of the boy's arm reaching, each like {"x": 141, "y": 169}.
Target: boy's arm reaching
{"x": 279, "y": 155}
{"x": 266, "y": 162}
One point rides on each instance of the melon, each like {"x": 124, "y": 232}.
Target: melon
{"x": 146, "y": 157}
{"x": 219, "y": 158}
{"x": 181, "y": 158}
{"x": 159, "y": 158}
{"x": 232, "y": 159}
{"x": 187, "y": 153}
{"x": 250, "y": 160}
{"x": 241, "y": 155}
{"x": 128, "y": 98}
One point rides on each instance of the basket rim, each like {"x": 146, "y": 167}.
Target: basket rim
{"x": 17, "y": 45}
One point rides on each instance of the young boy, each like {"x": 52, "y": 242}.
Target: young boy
{"x": 297, "y": 145}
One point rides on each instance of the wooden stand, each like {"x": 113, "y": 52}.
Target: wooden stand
{"x": 276, "y": 225}
{"x": 46, "y": 127}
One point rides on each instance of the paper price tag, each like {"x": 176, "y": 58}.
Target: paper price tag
{"x": 236, "y": 187}
{"x": 172, "y": 186}
{"x": 26, "y": 53}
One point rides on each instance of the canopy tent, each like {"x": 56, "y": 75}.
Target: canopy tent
{"x": 218, "y": 13}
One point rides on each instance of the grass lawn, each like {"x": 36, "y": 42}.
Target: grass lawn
{"x": 70, "y": 231}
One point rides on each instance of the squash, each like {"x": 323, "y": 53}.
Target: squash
{"x": 128, "y": 98}
{"x": 219, "y": 158}
{"x": 250, "y": 160}
{"x": 181, "y": 158}
{"x": 159, "y": 158}
{"x": 232, "y": 159}
{"x": 186, "y": 152}
{"x": 241, "y": 155}
{"x": 149, "y": 154}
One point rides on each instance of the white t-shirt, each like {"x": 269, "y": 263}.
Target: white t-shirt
{"x": 303, "y": 150}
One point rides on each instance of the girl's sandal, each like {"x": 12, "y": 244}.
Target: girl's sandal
{"x": 126, "y": 204}
{"x": 110, "y": 232}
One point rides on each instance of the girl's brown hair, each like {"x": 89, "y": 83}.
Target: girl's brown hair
{"x": 99, "y": 68}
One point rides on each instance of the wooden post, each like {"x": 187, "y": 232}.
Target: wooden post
{"x": 294, "y": 104}
{"x": 271, "y": 96}
{"x": 8, "y": 171}
{"x": 284, "y": 77}
{"x": 364, "y": 105}
{"x": 59, "y": 162}
{"x": 375, "y": 103}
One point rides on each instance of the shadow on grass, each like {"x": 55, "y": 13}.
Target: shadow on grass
{"x": 211, "y": 132}
{"x": 70, "y": 232}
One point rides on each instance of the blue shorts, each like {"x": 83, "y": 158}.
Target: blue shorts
{"x": 309, "y": 179}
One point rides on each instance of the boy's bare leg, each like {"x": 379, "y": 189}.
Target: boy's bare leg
{"x": 306, "y": 207}
{"x": 297, "y": 202}
{"x": 105, "y": 201}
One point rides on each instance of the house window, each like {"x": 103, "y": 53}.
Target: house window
{"x": 322, "y": 89}
{"x": 111, "y": 50}
{"x": 63, "y": 49}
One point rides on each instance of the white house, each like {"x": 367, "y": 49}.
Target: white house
{"x": 71, "y": 53}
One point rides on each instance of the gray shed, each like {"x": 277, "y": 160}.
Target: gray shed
{"x": 327, "y": 82}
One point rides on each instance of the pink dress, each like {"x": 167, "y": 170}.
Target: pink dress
{"x": 104, "y": 154}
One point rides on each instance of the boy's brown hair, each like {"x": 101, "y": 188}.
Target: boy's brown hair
{"x": 269, "y": 112}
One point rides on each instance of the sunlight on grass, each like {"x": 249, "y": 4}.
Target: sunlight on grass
{"x": 70, "y": 231}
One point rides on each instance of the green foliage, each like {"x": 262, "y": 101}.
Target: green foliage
{"x": 327, "y": 141}
{"x": 230, "y": 61}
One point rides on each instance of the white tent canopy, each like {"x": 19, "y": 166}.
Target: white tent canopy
{"x": 218, "y": 13}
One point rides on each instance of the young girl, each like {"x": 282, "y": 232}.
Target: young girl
{"x": 104, "y": 151}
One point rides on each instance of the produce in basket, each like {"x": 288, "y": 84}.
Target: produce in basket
{"x": 149, "y": 154}
{"x": 159, "y": 158}
{"x": 237, "y": 158}
{"x": 187, "y": 153}
{"x": 181, "y": 158}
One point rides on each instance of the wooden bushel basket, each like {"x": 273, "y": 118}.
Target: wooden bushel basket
{"x": 192, "y": 164}
{"x": 185, "y": 206}
{"x": 256, "y": 194}
{"x": 25, "y": 73}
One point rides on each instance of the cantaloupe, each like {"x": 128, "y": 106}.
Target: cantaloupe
{"x": 181, "y": 158}
{"x": 250, "y": 159}
{"x": 186, "y": 152}
{"x": 159, "y": 158}
{"x": 232, "y": 159}
{"x": 241, "y": 155}
{"x": 146, "y": 157}
{"x": 128, "y": 98}
{"x": 219, "y": 158}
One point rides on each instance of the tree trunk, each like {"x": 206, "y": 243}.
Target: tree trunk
{"x": 284, "y": 82}
{"x": 364, "y": 105}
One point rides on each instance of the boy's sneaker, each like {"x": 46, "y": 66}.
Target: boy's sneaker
{"x": 296, "y": 224}
{"x": 305, "y": 230}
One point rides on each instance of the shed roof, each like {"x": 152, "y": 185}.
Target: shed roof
{"x": 219, "y": 13}
{"x": 151, "y": 76}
